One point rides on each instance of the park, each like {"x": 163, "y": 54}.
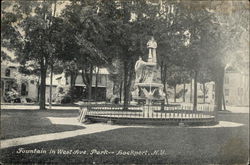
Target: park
{"x": 125, "y": 82}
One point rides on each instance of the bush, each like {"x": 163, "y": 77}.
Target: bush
{"x": 61, "y": 93}
{"x": 115, "y": 99}
{"x": 11, "y": 96}
{"x": 29, "y": 100}
{"x": 66, "y": 100}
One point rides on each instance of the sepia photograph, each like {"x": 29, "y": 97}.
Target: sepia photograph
{"x": 125, "y": 82}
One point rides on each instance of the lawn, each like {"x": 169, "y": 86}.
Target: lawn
{"x": 173, "y": 145}
{"x": 16, "y": 123}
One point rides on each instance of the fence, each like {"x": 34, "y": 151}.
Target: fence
{"x": 148, "y": 111}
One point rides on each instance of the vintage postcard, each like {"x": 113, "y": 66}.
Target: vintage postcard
{"x": 124, "y": 82}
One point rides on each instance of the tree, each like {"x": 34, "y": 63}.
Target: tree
{"x": 173, "y": 80}
{"x": 89, "y": 35}
{"x": 229, "y": 39}
{"x": 197, "y": 30}
{"x": 129, "y": 37}
{"x": 215, "y": 40}
{"x": 204, "y": 76}
{"x": 10, "y": 36}
{"x": 32, "y": 23}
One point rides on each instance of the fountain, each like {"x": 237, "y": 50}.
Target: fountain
{"x": 148, "y": 88}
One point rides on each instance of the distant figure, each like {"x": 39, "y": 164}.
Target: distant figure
{"x": 139, "y": 65}
{"x": 152, "y": 45}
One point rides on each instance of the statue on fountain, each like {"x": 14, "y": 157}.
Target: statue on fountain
{"x": 139, "y": 67}
{"x": 152, "y": 45}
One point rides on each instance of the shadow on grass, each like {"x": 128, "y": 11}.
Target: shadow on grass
{"x": 26, "y": 123}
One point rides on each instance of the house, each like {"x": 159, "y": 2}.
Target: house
{"x": 61, "y": 82}
{"x": 104, "y": 85}
{"x": 28, "y": 86}
{"x": 236, "y": 88}
{"x": 12, "y": 81}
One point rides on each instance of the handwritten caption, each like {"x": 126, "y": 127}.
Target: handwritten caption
{"x": 92, "y": 152}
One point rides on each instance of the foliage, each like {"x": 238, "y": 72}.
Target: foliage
{"x": 195, "y": 40}
{"x": 11, "y": 95}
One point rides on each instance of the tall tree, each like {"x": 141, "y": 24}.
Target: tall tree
{"x": 33, "y": 23}
{"x": 88, "y": 34}
{"x": 128, "y": 20}
{"x": 229, "y": 38}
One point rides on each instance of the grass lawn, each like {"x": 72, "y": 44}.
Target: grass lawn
{"x": 179, "y": 145}
{"x": 16, "y": 123}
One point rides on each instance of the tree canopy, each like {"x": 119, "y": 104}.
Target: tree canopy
{"x": 198, "y": 38}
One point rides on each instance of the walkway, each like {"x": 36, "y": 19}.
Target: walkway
{"x": 89, "y": 129}
{"x": 36, "y": 107}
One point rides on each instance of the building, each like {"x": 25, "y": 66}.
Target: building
{"x": 15, "y": 83}
{"x": 61, "y": 84}
{"x": 24, "y": 86}
{"x": 104, "y": 85}
{"x": 236, "y": 88}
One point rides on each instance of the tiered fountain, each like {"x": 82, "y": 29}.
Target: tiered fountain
{"x": 148, "y": 87}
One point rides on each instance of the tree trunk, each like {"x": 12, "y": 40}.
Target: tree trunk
{"x": 120, "y": 92}
{"x": 130, "y": 75}
{"x": 175, "y": 93}
{"x": 90, "y": 83}
{"x": 219, "y": 88}
{"x": 38, "y": 91}
{"x": 50, "y": 89}
{"x": 195, "y": 91}
{"x": 42, "y": 98}
{"x": 166, "y": 93}
{"x": 191, "y": 91}
{"x": 224, "y": 103}
{"x": 163, "y": 80}
{"x": 204, "y": 92}
{"x": 184, "y": 92}
{"x": 73, "y": 76}
{"x": 125, "y": 87}
{"x": 96, "y": 83}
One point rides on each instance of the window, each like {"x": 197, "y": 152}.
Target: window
{"x": 32, "y": 81}
{"x": 7, "y": 72}
{"x": 213, "y": 87}
{"x": 226, "y": 92}
{"x": 226, "y": 80}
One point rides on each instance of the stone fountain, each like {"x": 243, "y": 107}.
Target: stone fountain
{"x": 148, "y": 87}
